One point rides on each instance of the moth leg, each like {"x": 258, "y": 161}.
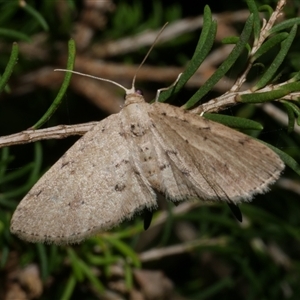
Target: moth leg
{"x": 147, "y": 215}
{"x": 235, "y": 211}
{"x": 167, "y": 88}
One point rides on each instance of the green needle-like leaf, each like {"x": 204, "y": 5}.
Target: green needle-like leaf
{"x": 291, "y": 116}
{"x": 204, "y": 45}
{"x": 256, "y": 19}
{"x": 234, "y": 122}
{"x": 269, "y": 44}
{"x": 33, "y": 12}
{"x": 270, "y": 95}
{"x": 225, "y": 66}
{"x": 10, "y": 66}
{"x": 270, "y": 72}
{"x": 125, "y": 250}
{"x": 14, "y": 35}
{"x": 61, "y": 93}
{"x": 284, "y": 25}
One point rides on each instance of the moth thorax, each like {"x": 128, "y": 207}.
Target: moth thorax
{"x": 134, "y": 98}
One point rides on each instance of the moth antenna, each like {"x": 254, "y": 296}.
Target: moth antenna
{"x": 146, "y": 56}
{"x": 128, "y": 91}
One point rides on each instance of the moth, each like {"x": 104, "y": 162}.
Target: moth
{"x": 118, "y": 167}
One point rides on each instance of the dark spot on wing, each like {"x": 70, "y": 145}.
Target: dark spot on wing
{"x": 244, "y": 140}
{"x": 75, "y": 203}
{"x": 164, "y": 166}
{"x": 119, "y": 187}
{"x": 185, "y": 172}
{"x": 64, "y": 164}
{"x": 123, "y": 161}
{"x": 171, "y": 152}
{"x": 136, "y": 130}
{"x": 205, "y": 128}
{"x": 38, "y": 193}
{"x": 146, "y": 158}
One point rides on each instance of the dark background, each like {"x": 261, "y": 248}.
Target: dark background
{"x": 258, "y": 259}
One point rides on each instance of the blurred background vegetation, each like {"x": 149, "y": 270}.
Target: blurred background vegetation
{"x": 190, "y": 252}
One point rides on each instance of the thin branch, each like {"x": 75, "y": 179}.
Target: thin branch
{"x": 160, "y": 253}
{"x": 56, "y": 132}
{"x": 278, "y": 115}
{"x": 264, "y": 33}
{"x": 289, "y": 184}
{"x": 173, "y": 31}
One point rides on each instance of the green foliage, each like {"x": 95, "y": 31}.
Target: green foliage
{"x": 257, "y": 259}
{"x": 234, "y": 122}
{"x": 203, "y": 47}
{"x": 9, "y": 68}
{"x": 62, "y": 91}
{"x": 123, "y": 24}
